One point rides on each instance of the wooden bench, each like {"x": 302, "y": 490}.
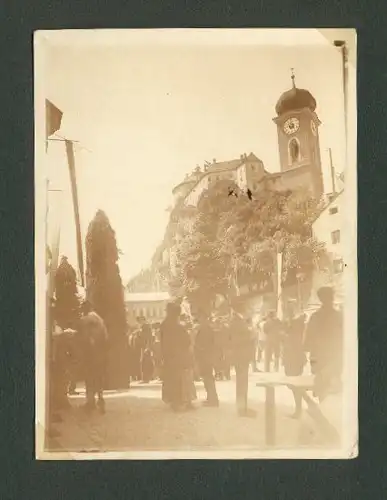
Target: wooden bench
{"x": 303, "y": 384}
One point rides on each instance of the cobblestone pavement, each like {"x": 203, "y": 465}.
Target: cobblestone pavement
{"x": 137, "y": 419}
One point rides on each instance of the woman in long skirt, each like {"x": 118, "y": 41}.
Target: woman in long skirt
{"x": 177, "y": 367}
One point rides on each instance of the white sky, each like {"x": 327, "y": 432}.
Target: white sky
{"x": 149, "y": 113}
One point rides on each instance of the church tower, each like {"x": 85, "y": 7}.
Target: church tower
{"x": 298, "y": 139}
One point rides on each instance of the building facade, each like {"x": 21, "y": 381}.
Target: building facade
{"x": 328, "y": 227}
{"x": 150, "y": 305}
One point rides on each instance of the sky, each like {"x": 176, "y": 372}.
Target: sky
{"x": 147, "y": 110}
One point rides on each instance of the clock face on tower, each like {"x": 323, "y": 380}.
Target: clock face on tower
{"x": 291, "y": 125}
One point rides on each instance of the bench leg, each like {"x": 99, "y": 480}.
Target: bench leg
{"x": 270, "y": 416}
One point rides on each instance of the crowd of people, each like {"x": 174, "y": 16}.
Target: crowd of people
{"x": 209, "y": 347}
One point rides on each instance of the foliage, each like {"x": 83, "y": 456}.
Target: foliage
{"x": 103, "y": 281}
{"x": 67, "y": 302}
{"x": 234, "y": 240}
{"x": 105, "y": 291}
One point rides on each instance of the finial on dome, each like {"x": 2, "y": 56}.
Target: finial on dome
{"x": 293, "y": 77}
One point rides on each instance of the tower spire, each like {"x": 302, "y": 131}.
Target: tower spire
{"x": 293, "y": 77}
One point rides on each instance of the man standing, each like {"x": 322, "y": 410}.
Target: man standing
{"x": 145, "y": 341}
{"x": 272, "y": 329}
{"x": 205, "y": 347}
{"x": 242, "y": 349}
{"x": 94, "y": 333}
{"x": 255, "y": 335}
{"x": 324, "y": 341}
{"x": 293, "y": 355}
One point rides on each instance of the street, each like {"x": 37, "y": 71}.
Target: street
{"x": 137, "y": 419}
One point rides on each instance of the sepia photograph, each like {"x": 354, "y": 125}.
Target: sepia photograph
{"x": 196, "y": 244}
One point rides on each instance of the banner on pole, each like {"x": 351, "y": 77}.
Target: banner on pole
{"x": 53, "y": 118}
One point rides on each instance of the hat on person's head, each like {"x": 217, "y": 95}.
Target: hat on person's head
{"x": 325, "y": 294}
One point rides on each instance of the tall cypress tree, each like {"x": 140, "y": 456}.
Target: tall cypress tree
{"x": 105, "y": 292}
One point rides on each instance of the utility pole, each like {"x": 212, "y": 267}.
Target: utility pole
{"x": 342, "y": 46}
{"x": 73, "y": 180}
{"x": 74, "y": 190}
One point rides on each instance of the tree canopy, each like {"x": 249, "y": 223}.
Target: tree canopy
{"x": 232, "y": 239}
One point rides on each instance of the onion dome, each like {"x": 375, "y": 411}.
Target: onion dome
{"x": 294, "y": 99}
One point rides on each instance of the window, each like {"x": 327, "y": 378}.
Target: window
{"x": 335, "y": 235}
{"x": 252, "y": 167}
{"x": 338, "y": 266}
{"x": 333, "y": 210}
{"x": 294, "y": 150}
{"x": 255, "y": 185}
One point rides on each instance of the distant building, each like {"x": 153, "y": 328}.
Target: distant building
{"x": 299, "y": 151}
{"x": 151, "y": 305}
{"x": 328, "y": 227}
{"x": 300, "y": 167}
{"x": 300, "y": 160}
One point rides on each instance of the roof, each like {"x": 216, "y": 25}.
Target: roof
{"x": 332, "y": 200}
{"x": 220, "y": 167}
{"x": 231, "y": 164}
{"x": 224, "y": 165}
{"x": 252, "y": 157}
{"x": 293, "y": 99}
{"x": 147, "y": 297}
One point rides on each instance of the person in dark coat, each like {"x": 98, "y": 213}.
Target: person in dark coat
{"x": 177, "y": 360}
{"x": 95, "y": 338}
{"x": 157, "y": 358}
{"x": 242, "y": 349}
{"x": 145, "y": 345}
{"x": 324, "y": 342}
{"x": 272, "y": 329}
{"x": 294, "y": 358}
{"x": 205, "y": 351}
{"x": 222, "y": 349}
{"x": 147, "y": 364}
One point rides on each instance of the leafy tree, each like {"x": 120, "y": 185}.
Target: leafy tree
{"x": 67, "y": 302}
{"x": 105, "y": 292}
{"x": 235, "y": 239}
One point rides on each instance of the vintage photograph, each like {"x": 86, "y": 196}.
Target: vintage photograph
{"x": 195, "y": 244}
